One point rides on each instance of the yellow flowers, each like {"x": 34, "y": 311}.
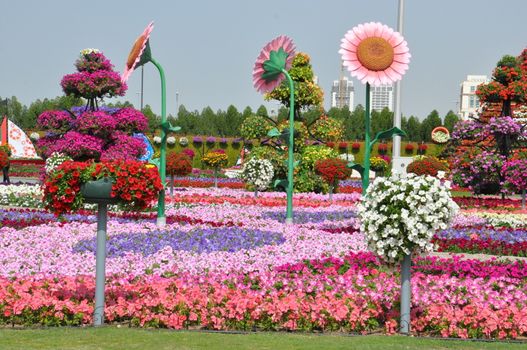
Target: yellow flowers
{"x": 215, "y": 159}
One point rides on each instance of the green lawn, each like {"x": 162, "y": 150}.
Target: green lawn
{"x": 125, "y": 338}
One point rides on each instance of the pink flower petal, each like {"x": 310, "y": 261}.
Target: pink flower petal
{"x": 353, "y": 38}
{"x": 288, "y": 46}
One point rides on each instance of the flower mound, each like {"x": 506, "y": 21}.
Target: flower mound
{"x": 281, "y": 44}
{"x": 197, "y": 240}
{"x": 375, "y": 53}
{"x": 399, "y": 215}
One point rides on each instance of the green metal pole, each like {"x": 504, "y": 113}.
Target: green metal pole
{"x": 367, "y": 147}
{"x": 290, "y": 159}
{"x": 161, "y": 218}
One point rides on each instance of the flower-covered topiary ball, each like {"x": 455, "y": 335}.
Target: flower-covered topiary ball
{"x": 400, "y": 215}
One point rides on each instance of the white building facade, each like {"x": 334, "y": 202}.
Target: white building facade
{"x": 381, "y": 97}
{"x": 468, "y": 101}
{"x": 343, "y": 93}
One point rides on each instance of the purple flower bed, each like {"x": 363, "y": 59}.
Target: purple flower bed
{"x": 507, "y": 235}
{"x": 304, "y": 217}
{"x": 198, "y": 240}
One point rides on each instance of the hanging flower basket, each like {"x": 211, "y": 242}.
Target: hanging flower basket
{"x": 440, "y": 135}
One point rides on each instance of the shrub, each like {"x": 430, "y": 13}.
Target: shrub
{"x": 426, "y": 166}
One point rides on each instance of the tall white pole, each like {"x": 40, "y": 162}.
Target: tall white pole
{"x": 396, "y": 151}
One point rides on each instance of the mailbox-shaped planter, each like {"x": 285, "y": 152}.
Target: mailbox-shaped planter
{"x": 98, "y": 191}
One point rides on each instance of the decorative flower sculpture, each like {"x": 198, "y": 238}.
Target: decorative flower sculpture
{"x": 374, "y": 53}
{"x": 277, "y": 55}
{"x": 269, "y": 70}
{"x": 140, "y": 53}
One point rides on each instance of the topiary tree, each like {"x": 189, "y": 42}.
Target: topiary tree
{"x": 93, "y": 131}
{"x": 307, "y": 93}
{"x": 514, "y": 172}
{"x": 332, "y": 170}
{"x": 178, "y": 164}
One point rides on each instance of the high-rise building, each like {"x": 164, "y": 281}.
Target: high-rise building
{"x": 381, "y": 97}
{"x": 469, "y": 102}
{"x": 342, "y": 93}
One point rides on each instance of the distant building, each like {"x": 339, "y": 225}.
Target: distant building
{"x": 469, "y": 102}
{"x": 381, "y": 97}
{"x": 342, "y": 93}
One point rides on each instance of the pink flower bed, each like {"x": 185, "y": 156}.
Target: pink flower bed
{"x": 355, "y": 293}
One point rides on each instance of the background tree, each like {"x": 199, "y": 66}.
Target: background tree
{"x": 451, "y": 119}
{"x": 432, "y": 121}
{"x": 413, "y": 129}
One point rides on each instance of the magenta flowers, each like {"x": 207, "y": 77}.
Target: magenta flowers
{"x": 374, "y": 53}
{"x": 276, "y": 55}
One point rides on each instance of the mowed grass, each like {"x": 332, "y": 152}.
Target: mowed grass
{"x": 110, "y": 338}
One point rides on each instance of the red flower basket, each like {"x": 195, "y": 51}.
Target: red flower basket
{"x": 343, "y": 145}
{"x": 355, "y": 146}
{"x": 409, "y": 148}
{"x": 382, "y": 148}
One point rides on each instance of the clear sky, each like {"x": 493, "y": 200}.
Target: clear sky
{"x": 208, "y": 47}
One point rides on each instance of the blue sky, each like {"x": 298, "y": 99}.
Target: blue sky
{"x": 208, "y": 47}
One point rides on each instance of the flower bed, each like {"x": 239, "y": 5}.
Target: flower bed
{"x": 226, "y": 260}
{"x": 353, "y": 293}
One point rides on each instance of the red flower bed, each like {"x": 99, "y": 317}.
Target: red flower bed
{"x": 261, "y": 201}
{"x": 478, "y": 246}
{"x": 204, "y": 184}
{"x": 488, "y": 203}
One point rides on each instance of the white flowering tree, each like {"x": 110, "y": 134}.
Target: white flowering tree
{"x": 258, "y": 173}
{"x": 399, "y": 217}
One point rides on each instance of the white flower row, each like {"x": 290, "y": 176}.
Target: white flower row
{"x": 21, "y": 196}
{"x": 258, "y": 172}
{"x": 400, "y": 215}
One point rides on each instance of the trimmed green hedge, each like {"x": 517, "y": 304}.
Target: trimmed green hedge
{"x": 233, "y": 150}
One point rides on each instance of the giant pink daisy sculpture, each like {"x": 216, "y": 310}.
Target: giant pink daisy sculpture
{"x": 275, "y": 56}
{"x": 375, "y": 54}
{"x": 140, "y": 53}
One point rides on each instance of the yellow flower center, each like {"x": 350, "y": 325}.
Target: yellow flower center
{"x": 135, "y": 52}
{"x": 375, "y": 53}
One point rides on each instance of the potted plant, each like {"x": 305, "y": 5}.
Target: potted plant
{"x": 379, "y": 165}
{"x": 382, "y": 148}
{"x": 355, "y": 147}
{"x": 409, "y": 148}
{"x": 421, "y": 149}
{"x": 134, "y": 184}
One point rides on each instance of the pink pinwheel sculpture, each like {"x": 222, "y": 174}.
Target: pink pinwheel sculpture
{"x": 374, "y": 53}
